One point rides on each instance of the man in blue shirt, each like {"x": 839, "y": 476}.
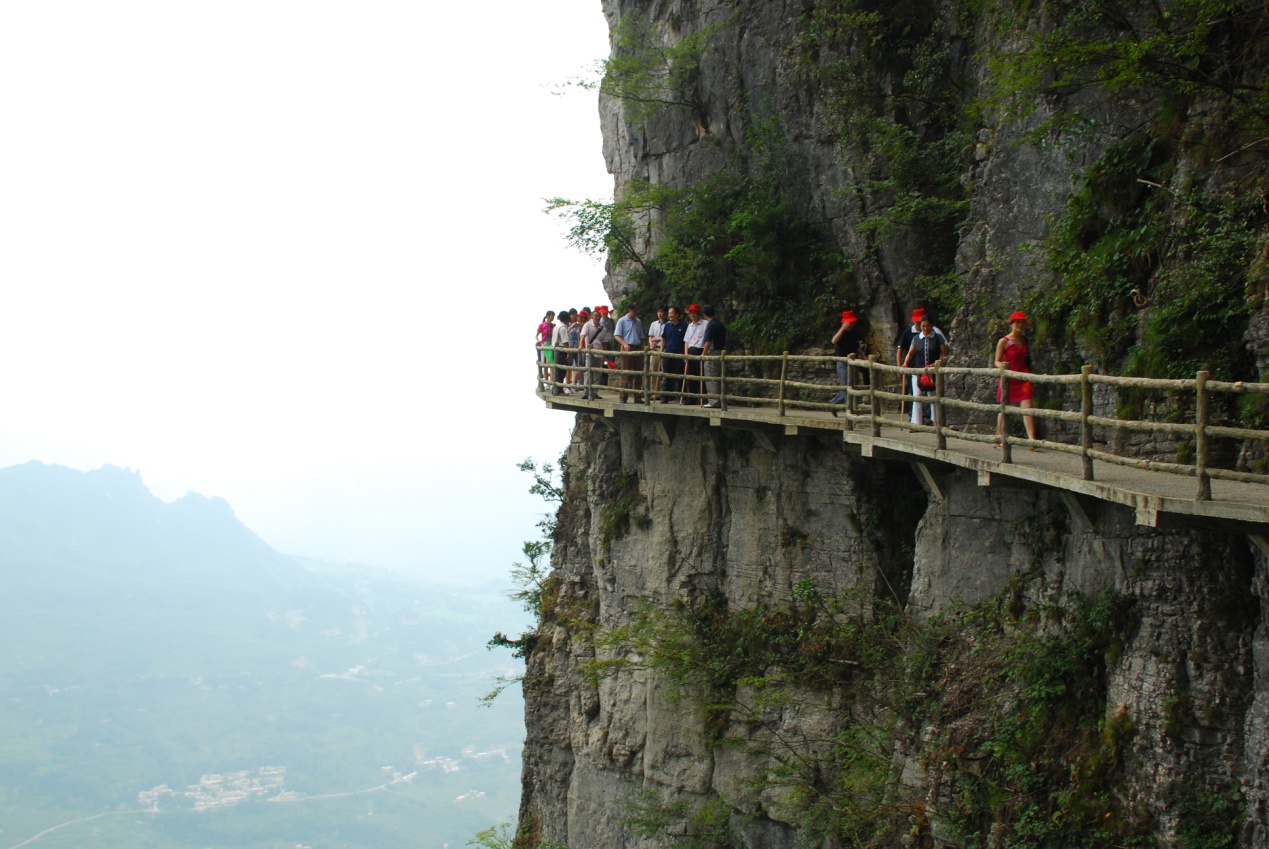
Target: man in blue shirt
{"x": 630, "y": 338}
{"x": 673, "y": 336}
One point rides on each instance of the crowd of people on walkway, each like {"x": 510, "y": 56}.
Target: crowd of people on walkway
{"x": 583, "y": 346}
{"x": 580, "y": 347}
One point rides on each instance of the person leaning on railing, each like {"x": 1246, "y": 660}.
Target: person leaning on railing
{"x": 715, "y": 344}
{"x": 846, "y": 343}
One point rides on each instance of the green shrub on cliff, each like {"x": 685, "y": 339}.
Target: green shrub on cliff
{"x": 729, "y": 239}
{"x": 1026, "y": 748}
{"x": 1140, "y": 293}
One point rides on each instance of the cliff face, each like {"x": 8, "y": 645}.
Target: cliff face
{"x": 728, "y": 515}
{"x": 936, "y": 611}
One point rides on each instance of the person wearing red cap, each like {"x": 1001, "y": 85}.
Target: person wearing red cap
{"x": 606, "y": 322}
{"x": 695, "y": 341}
{"x": 929, "y": 348}
{"x": 846, "y": 343}
{"x": 902, "y": 344}
{"x": 1013, "y": 353}
{"x": 594, "y": 344}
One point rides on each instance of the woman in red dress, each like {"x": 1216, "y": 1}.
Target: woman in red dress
{"x": 1013, "y": 354}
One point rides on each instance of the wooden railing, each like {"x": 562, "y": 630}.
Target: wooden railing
{"x": 874, "y": 390}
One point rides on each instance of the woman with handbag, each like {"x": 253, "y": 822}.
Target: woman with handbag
{"x": 928, "y": 349}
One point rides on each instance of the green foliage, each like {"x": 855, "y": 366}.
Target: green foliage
{"x": 1038, "y": 766}
{"x": 707, "y": 650}
{"x": 603, "y": 228}
{"x": 650, "y": 69}
{"x": 536, "y": 587}
{"x": 545, "y": 483}
{"x": 681, "y": 823}
{"x": 732, "y": 239}
{"x": 1158, "y": 299}
{"x": 1208, "y": 819}
{"x": 1106, "y": 247}
{"x": 1174, "y": 52}
{"x": 621, "y": 503}
{"x": 1028, "y": 751}
{"x": 503, "y": 836}
{"x": 892, "y": 80}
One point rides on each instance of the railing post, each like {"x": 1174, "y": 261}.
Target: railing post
{"x": 588, "y": 376}
{"x": 784, "y": 374}
{"x": 1086, "y": 429}
{"x": 1202, "y": 414}
{"x": 722, "y": 380}
{"x": 874, "y": 403}
{"x": 1006, "y": 450}
{"x": 850, "y": 399}
{"x": 940, "y": 438}
{"x": 647, "y": 376}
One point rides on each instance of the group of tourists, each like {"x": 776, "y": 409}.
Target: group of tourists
{"x": 922, "y": 345}
{"x": 582, "y": 346}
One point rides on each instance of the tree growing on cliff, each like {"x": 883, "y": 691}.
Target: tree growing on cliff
{"x": 534, "y": 585}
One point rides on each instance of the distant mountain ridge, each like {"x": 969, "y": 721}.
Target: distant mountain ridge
{"x": 104, "y": 526}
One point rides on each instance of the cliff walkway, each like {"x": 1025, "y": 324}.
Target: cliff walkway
{"x": 1175, "y": 451}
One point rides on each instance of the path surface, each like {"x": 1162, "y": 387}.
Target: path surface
{"x": 1151, "y": 494}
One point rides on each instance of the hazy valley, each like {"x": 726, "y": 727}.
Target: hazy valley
{"x": 170, "y": 681}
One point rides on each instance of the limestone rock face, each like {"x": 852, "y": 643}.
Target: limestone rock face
{"x": 708, "y": 514}
{"x": 724, "y": 512}
{"x": 755, "y": 70}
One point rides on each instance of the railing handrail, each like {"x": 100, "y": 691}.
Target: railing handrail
{"x": 742, "y": 368}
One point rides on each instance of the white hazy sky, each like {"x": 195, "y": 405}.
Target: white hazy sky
{"x": 255, "y": 250}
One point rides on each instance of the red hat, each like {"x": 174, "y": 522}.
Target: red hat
{"x": 918, "y": 314}
{"x": 602, "y": 309}
{"x": 693, "y": 308}
{"x": 585, "y": 313}
{"x": 849, "y": 317}
{"x": 1018, "y": 315}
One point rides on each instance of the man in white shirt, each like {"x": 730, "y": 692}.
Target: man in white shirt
{"x": 695, "y": 341}
{"x": 594, "y": 343}
{"x": 560, "y": 339}
{"x": 656, "y": 345}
